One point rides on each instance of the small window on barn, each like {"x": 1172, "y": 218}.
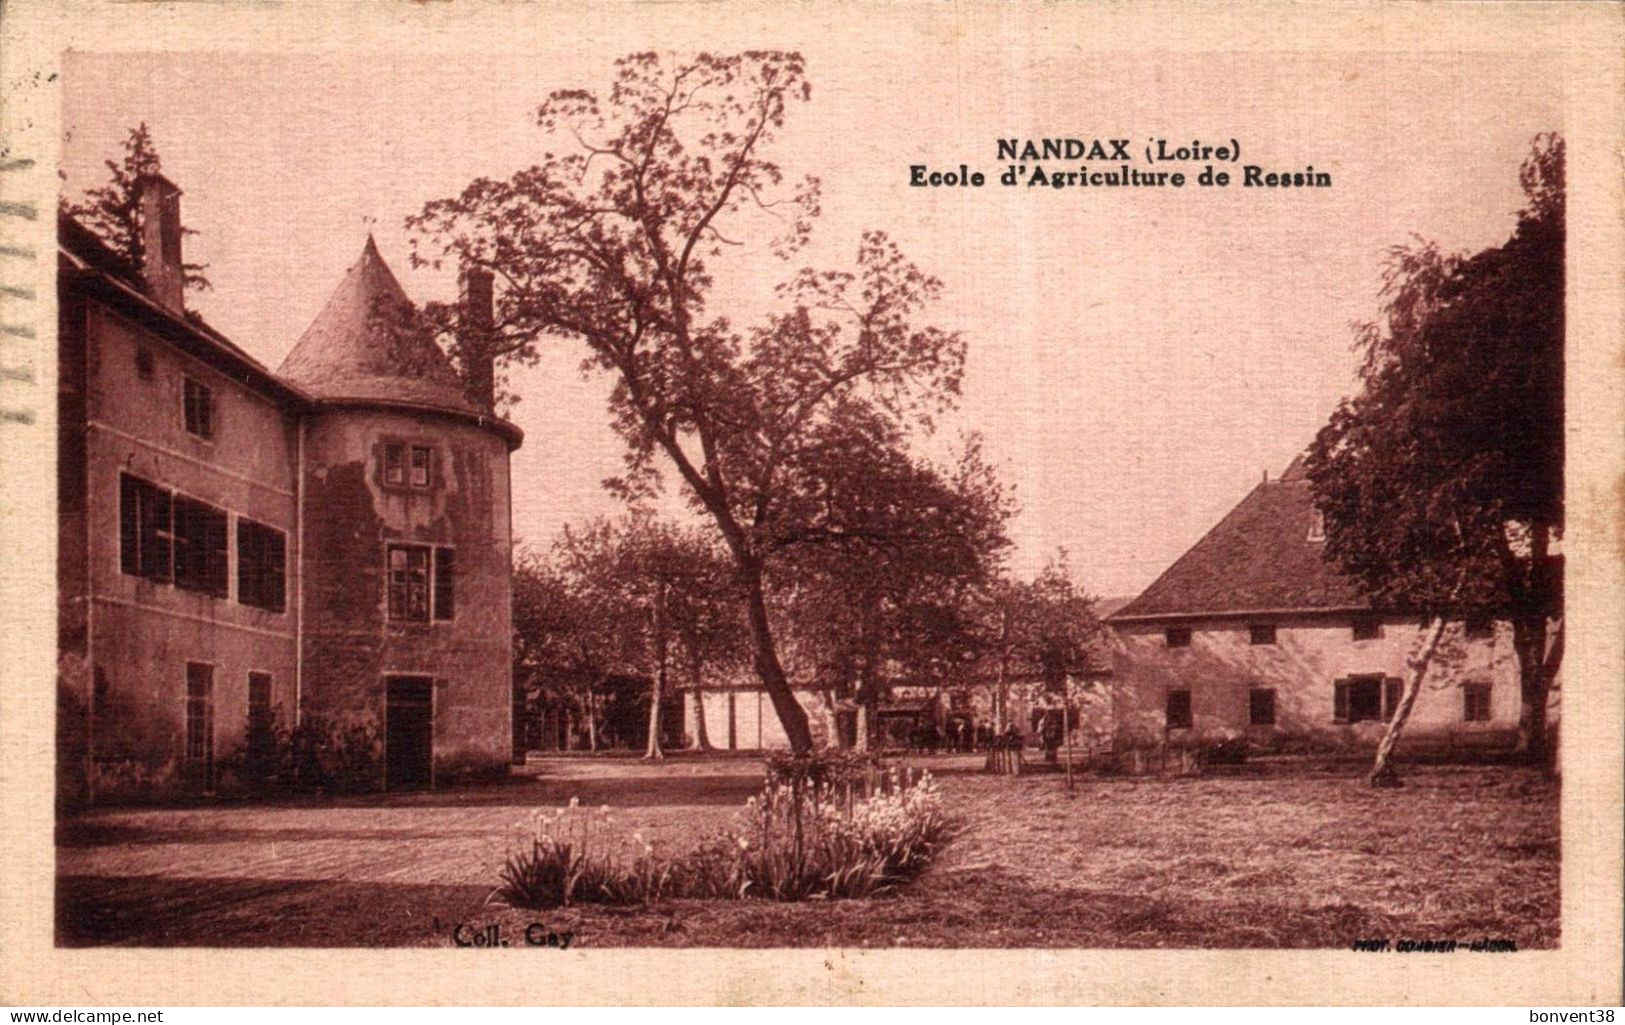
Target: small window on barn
{"x": 1179, "y": 709}
{"x": 409, "y": 582}
{"x": 1317, "y": 525}
{"x": 1261, "y": 633}
{"x": 262, "y": 556}
{"x": 145, "y": 542}
{"x": 394, "y": 463}
{"x": 1363, "y": 699}
{"x": 422, "y": 461}
{"x": 1367, "y": 628}
{"x": 1261, "y": 706}
{"x": 200, "y": 547}
{"x": 445, "y": 583}
{"x": 198, "y": 403}
{"x": 1177, "y": 636}
{"x": 144, "y": 364}
{"x": 1480, "y": 626}
{"x": 1475, "y": 702}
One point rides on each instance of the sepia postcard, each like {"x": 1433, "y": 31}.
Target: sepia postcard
{"x": 816, "y": 503}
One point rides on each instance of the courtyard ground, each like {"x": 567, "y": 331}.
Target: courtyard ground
{"x": 1281, "y": 858}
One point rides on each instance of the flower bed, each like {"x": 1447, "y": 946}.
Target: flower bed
{"x": 805, "y": 837}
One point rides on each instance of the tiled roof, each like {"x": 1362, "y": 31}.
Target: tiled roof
{"x": 1258, "y": 558}
{"x": 369, "y": 343}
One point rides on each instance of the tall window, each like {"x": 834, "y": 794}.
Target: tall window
{"x": 200, "y": 547}
{"x": 1476, "y": 702}
{"x": 260, "y": 717}
{"x": 262, "y": 555}
{"x": 1261, "y": 706}
{"x": 200, "y": 721}
{"x": 144, "y": 537}
{"x": 198, "y": 404}
{"x": 408, "y": 582}
{"x": 1179, "y": 709}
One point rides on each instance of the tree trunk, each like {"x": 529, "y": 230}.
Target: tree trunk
{"x": 658, "y": 687}
{"x": 768, "y": 668}
{"x": 592, "y": 721}
{"x": 1382, "y": 770}
{"x": 860, "y": 739}
{"x": 702, "y": 739}
{"x": 1536, "y": 669}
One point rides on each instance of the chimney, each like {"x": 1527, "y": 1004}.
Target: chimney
{"x": 159, "y": 202}
{"x": 475, "y": 320}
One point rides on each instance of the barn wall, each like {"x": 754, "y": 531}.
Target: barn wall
{"x": 1220, "y": 666}
{"x": 756, "y": 725}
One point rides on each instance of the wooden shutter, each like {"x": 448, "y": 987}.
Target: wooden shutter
{"x": 445, "y": 583}
{"x": 155, "y": 533}
{"x": 1340, "y": 701}
{"x": 216, "y": 579}
{"x": 129, "y": 524}
{"x": 1390, "y": 697}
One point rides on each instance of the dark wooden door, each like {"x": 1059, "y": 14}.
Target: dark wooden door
{"x": 408, "y": 732}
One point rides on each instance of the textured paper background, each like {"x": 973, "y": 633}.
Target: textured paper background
{"x": 1580, "y": 43}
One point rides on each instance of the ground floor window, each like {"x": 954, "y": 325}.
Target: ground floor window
{"x": 1476, "y": 702}
{"x": 200, "y": 722}
{"x": 1179, "y": 709}
{"x": 1261, "y": 706}
{"x": 1365, "y": 699}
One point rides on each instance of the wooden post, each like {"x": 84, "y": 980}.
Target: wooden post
{"x": 1066, "y": 727}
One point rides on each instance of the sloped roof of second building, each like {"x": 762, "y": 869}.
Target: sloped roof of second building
{"x": 1258, "y": 558}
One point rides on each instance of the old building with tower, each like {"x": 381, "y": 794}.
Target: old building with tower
{"x": 243, "y": 553}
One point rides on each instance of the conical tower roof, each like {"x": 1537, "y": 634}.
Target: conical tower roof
{"x": 369, "y": 343}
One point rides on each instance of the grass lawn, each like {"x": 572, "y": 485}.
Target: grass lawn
{"x": 1285, "y": 859}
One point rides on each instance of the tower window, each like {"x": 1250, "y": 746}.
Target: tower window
{"x": 422, "y": 460}
{"x": 408, "y": 582}
{"x": 394, "y": 463}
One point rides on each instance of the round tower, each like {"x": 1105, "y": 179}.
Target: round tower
{"x": 405, "y": 604}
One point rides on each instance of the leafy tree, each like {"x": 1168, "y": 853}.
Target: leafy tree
{"x": 1042, "y": 629}
{"x": 610, "y": 245}
{"x": 559, "y": 650}
{"x": 889, "y": 600}
{"x": 113, "y": 210}
{"x": 1442, "y": 481}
